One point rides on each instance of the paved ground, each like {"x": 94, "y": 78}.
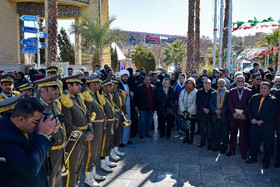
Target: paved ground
{"x": 162, "y": 162}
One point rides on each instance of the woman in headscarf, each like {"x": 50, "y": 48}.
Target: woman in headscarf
{"x": 187, "y": 106}
{"x": 179, "y": 87}
{"x": 165, "y": 105}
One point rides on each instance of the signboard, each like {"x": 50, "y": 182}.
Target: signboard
{"x": 30, "y": 50}
{"x": 42, "y": 45}
{"x": 29, "y": 29}
{"x": 29, "y": 42}
{"x": 28, "y": 18}
{"x": 43, "y": 35}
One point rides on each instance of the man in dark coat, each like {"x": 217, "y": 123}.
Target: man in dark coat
{"x": 277, "y": 128}
{"x": 146, "y": 102}
{"x": 255, "y": 87}
{"x": 204, "y": 115}
{"x": 238, "y": 99}
{"x": 218, "y": 107}
{"x": 262, "y": 110}
{"x": 24, "y": 148}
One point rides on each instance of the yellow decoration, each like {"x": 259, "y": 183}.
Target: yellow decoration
{"x": 92, "y": 116}
{"x": 50, "y": 83}
{"x": 101, "y": 98}
{"x": 87, "y": 96}
{"x": 58, "y": 105}
{"x": 66, "y": 101}
{"x": 123, "y": 93}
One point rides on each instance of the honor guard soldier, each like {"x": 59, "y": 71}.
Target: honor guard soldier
{"x": 28, "y": 89}
{"x": 7, "y": 85}
{"x": 49, "y": 91}
{"x": 52, "y": 71}
{"x": 121, "y": 112}
{"x": 97, "y": 119}
{"x": 7, "y": 105}
{"x": 76, "y": 122}
{"x": 108, "y": 137}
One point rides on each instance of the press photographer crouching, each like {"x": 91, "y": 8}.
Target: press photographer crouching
{"x": 24, "y": 142}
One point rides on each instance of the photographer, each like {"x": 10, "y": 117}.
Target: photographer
{"x": 49, "y": 89}
{"x": 24, "y": 142}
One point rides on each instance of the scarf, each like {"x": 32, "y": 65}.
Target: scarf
{"x": 189, "y": 89}
{"x": 220, "y": 100}
{"x": 165, "y": 90}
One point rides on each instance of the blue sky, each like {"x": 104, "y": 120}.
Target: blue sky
{"x": 171, "y": 16}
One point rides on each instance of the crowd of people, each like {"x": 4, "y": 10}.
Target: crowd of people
{"x": 52, "y": 125}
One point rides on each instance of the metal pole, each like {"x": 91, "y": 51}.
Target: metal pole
{"x": 215, "y": 34}
{"x": 38, "y": 44}
{"x": 221, "y": 33}
{"x": 229, "y": 35}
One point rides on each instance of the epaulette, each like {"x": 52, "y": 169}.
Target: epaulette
{"x": 123, "y": 93}
{"x": 87, "y": 96}
{"x": 101, "y": 98}
{"x": 66, "y": 101}
{"x": 81, "y": 96}
{"x": 1, "y": 98}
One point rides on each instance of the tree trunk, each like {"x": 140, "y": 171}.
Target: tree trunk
{"x": 52, "y": 32}
{"x": 225, "y": 34}
{"x": 197, "y": 35}
{"x": 190, "y": 47}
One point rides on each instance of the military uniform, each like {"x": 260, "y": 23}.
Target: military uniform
{"x": 54, "y": 70}
{"x": 74, "y": 110}
{"x": 57, "y": 153}
{"x": 8, "y": 104}
{"x": 7, "y": 78}
{"x": 119, "y": 102}
{"x": 25, "y": 88}
{"x": 94, "y": 104}
{"x": 109, "y": 110}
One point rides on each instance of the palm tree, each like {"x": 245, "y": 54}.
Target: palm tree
{"x": 142, "y": 56}
{"x": 197, "y": 34}
{"x": 190, "y": 51}
{"x": 52, "y": 32}
{"x": 96, "y": 37}
{"x": 272, "y": 40}
{"x": 174, "y": 52}
{"x": 225, "y": 34}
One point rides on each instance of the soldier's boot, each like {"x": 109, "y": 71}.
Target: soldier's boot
{"x": 114, "y": 156}
{"x": 89, "y": 180}
{"x": 96, "y": 176}
{"x": 109, "y": 163}
{"x": 104, "y": 166}
{"x": 117, "y": 152}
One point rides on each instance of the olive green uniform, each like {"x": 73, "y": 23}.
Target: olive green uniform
{"x": 4, "y": 96}
{"x": 119, "y": 101}
{"x": 108, "y": 140}
{"x": 94, "y": 103}
{"x": 57, "y": 152}
{"x": 74, "y": 111}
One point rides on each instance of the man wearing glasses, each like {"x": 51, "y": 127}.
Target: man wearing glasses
{"x": 24, "y": 142}
{"x": 255, "y": 87}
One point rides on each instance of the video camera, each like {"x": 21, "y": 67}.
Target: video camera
{"x": 59, "y": 116}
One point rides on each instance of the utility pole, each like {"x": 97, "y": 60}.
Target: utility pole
{"x": 215, "y": 34}
{"x": 229, "y": 35}
{"x": 221, "y": 33}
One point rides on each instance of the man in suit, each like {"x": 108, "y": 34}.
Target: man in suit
{"x": 262, "y": 110}
{"x": 238, "y": 99}
{"x": 218, "y": 107}
{"x": 24, "y": 142}
{"x": 255, "y": 87}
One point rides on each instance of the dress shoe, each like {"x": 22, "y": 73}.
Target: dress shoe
{"x": 167, "y": 137}
{"x": 201, "y": 145}
{"x": 148, "y": 135}
{"x": 142, "y": 136}
{"x": 250, "y": 161}
{"x": 230, "y": 153}
{"x": 197, "y": 132}
{"x": 186, "y": 140}
{"x": 244, "y": 156}
{"x": 265, "y": 166}
{"x": 190, "y": 142}
{"x": 223, "y": 151}
{"x": 277, "y": 165}
{"x": 129, "y": 142}
{"x": 122, "y": 145}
